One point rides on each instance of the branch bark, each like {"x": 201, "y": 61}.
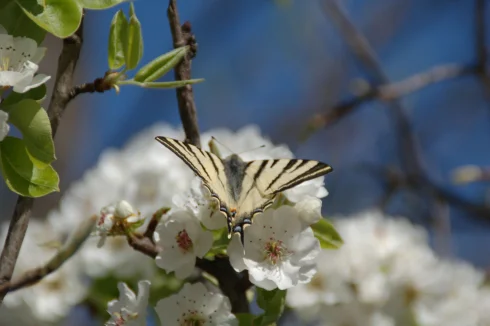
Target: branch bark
{"x": 233, "y": 285}
{"x": 61, "y": 97}
{"x": 181, "y": 36}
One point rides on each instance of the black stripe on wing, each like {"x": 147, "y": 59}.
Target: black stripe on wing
{"x": 181, "y": 150}
{"x": 314, "y": 172}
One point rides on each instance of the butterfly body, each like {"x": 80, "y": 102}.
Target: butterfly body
{"x": 244, "y": 189}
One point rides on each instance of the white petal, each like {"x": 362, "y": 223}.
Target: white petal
{"x": 10, "y": 78}
{"x": 25, "y": 49}
{"x": 203, "y": 243}
{"x": 263, "y": 283}
{"x": 171, "y": 259}
{"x": 38, "y": 80}
{"x": 309, "y": 210}
{"x": 185, "y": 269}
{"x": 236, "y": 253}
{"x": 39, "y": 55}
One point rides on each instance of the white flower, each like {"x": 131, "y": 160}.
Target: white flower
{"x": 53, "y": 297}
{"x": 198, "y": 201}
{"x": 195, "y": 305}
{"x": 146, "y": 175}
{"x": 386, "y": 274}
{"x": 116, "y": 219}
{"x": 181, "y": 239}
{"x": 278, "y": 252}
{"x": 4, "y": 127}
{"x": 18, "y": 62}
{"x": 129, "y": 310}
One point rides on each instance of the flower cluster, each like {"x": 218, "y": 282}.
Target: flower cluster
{"x": 386, "y": 274}
{"x": 193, "y": 305}
{"x": 19, "y": 57}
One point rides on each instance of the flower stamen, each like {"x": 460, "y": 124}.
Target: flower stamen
{"x": 275, "y": 251}
{"x": 184, "y": 241}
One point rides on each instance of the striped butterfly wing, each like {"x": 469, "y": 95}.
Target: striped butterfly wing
{"x": 205, "y": 165}
{"x": 265, "y": 179}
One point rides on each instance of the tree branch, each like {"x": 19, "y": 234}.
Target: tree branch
{"x": 18, "y": 224}
{"x": 480, "y": 42}
{"x": 393, "y": 91}
{"x": 181, "y": 36}
{"x": 65, "y": 253}
{"x": 414, "y": 174}
{"x": 233, "y": 285}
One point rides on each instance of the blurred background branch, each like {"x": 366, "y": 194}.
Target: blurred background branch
{"x": 19, "y": 222}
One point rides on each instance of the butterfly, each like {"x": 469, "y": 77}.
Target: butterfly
{"x": 244, "y": 189}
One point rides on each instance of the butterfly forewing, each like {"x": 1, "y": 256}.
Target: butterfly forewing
{"x": 274, "y": 176}
{"x": 205, "y": 165}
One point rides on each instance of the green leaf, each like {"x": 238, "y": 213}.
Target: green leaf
{"x": 161, "y": 65}
{"x": 16, "y": 22}
{"x": 134, "y": 41}
{"x": 100, "y": 4}
{"x": 117, "y": 37}
{"x": 21, "y": 175}
{"x": 272, "y": 302}
{"x": 245, "y": 319}
{"x": 220, "y": 243}
{"x": 173, "y": 84}
{"x": 59, "y": 17}
{"x": 327, "y": 235}
{"x": 38, "y": 94}
{"x": 33, "y": 122}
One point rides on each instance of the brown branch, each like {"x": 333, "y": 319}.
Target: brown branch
{"x": 392, "y": 91}
{"x": 234, "y": 285}
{"x": 59, "y": 100}
{"x": 66, "y": 252}
{"x": 99, "y": 85}
{"x": 414, "y": 174}
{"x": 181, "y": 36}
{"x": 231, "y": 283}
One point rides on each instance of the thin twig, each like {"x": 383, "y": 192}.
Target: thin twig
{"x": 416, "y": 177}
{"x": 181, "y": 36}
{"x": 18, "y": 224}
{"x": 65, "y": 253}
{"x": 480, "y": 42}
{"x": 392, "y": 91}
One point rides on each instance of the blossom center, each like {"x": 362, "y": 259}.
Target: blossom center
{"x": 184, "y": 241}
{"x": 275, "y": 250}
{"x": 192, "y": 318}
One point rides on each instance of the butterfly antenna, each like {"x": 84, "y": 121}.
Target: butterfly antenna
{"x": 253, "y": 149}
{"x": 225, "y": 147}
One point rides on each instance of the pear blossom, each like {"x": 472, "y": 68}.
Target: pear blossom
{"x": 195, "y": 305}
{"x": 181, "y": 239}
{"x": 386, "y": 274}
{"x": 278, "y": 252}
{"x": 116, "y": 219}
{"x": 4, "y": 127}
{"x": 143, "y": 173}
{"x": 19, "y": 57}
{"x": 198, "y": 201}
{"x": 130, "y": 309}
